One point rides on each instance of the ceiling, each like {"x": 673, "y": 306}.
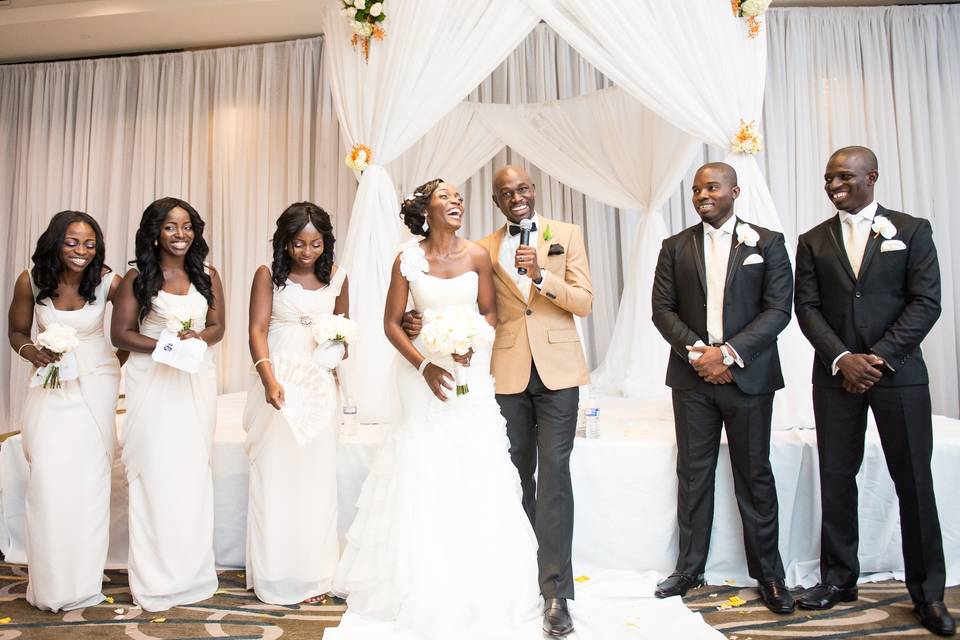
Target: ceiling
{"x": 58, "y": 29}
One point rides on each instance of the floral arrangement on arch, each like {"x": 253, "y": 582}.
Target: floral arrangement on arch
{"x": 747, "y": 139}
{"x": 365, "y": 17}
{"x": 751, "y": 10}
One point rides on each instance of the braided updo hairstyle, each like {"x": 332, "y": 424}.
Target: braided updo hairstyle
{"x": 413, "y": 209}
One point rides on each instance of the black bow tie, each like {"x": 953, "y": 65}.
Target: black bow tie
{"x": 515, "y": 228}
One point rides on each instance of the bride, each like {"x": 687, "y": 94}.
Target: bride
{"x": 440, "y": 546}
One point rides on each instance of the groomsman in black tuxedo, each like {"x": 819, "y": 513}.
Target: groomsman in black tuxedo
{"x": 721, "y": 295}
{"x": 867, "y": 293}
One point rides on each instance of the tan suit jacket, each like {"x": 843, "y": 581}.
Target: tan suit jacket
{"x": 541, "y": 329}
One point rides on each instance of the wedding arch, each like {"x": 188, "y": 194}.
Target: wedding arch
{"x": 685, "y": 73}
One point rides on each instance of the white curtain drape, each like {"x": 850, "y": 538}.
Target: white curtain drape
{"x": 434, "y": 54}
{"x": 887, "y": 78}
{"x": 239, "y": 133}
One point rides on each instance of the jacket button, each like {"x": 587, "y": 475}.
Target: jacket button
{"x": 858, "y": 294}
{"x": 529, "y": 312}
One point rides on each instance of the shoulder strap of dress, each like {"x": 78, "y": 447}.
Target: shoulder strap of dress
{"x": 336, "y": 282}
{"x": 33, "y": 285}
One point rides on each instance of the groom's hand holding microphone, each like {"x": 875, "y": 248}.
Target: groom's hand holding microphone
{"x": 525, "y": 260}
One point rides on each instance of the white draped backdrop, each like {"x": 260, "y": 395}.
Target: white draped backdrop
{"x": 242, "y": 132}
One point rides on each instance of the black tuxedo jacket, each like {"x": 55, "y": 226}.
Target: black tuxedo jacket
{"x": 756, "y": 306}
{"x": 888, "y": 310}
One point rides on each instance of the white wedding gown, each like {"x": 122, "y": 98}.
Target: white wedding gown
{"x": 440, "y": 546}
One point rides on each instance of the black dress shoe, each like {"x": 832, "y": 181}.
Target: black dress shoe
{"x": 824, "y": 596}
{"x": 774, "y": 594}
{"x": 556, "y": 617}
{"x": 677, "y": 584}
{"x": 935, "y": 617}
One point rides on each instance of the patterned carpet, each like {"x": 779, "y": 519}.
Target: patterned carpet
{"x": 883, "y": 611}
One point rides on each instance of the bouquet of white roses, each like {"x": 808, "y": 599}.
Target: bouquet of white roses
{"x": 60, "y": 339}
{"x": 456, "y": 330}
{"x": 332, "y": 332}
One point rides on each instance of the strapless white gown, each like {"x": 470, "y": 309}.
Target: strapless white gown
{"x": 440, "y": 546}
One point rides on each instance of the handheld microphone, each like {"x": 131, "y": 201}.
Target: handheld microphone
{"x": 525, "y": 225}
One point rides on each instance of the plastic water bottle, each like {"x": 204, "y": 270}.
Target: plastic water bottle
{"x": 349, "y": 410}
{"x": 592, "y": 420}
{"x": 582, "y": 420}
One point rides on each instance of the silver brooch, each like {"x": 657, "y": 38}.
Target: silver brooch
{"x": 306, "y": 321}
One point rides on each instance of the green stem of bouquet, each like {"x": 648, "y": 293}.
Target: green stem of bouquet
{"x": 52, "y": 379}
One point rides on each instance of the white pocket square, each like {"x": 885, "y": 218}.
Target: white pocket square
{"x": 892, "y": 245}
{"x": 755, "y": 258}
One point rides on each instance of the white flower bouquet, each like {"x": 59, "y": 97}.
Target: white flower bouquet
{"x": 179, "y": 318}
{"x": 332, "y": 332}
{"x": 456, "y": 330}
{"x": 60, "y": 339}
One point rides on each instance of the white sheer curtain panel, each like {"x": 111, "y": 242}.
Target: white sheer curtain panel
{"x": 239, "y": 133}
{"x": 887, "y": 78}
{"x": 434, "y": 54}
{"x": 610, "y": 147}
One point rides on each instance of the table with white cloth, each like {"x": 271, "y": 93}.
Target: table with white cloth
{"x": 625, "y": 494}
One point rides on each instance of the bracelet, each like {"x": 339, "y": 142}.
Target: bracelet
{"x": 423, "y": 365}
{"x": 25, "y": 344}
{"x": 257, "y": 363}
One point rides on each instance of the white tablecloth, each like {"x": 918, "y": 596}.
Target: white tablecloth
{"x": 625, "y": 490}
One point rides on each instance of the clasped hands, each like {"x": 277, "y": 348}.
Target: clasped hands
{"x": 860, "y": 371}
{"x": 709, "y": 365}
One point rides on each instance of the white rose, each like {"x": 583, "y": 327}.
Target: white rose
{"x": 59, "y": 338}
{"x": 360, "y": 4}
{"x": 351, "y": 13}
{"x": 883, "y": 226}
{"x": 747, "y": 235}
{"x": 376, "y": 9}
{"x": 754, "y": 7}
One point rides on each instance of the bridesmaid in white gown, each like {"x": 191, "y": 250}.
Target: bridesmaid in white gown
{"x": 68, "y": 432}
{"x": 440, "y": 545}
{"x": 290, "y": 417}
{"x": 171, "y": 414}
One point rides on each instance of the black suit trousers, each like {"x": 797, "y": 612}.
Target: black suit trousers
{"x": 541, "y": 426}
{"x": 906, "y": 434}
{"x": 699, "y": 415}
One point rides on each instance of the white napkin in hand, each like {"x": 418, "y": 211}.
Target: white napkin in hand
{"x": 186, "y": 355}
{"x": 68, "y": 370}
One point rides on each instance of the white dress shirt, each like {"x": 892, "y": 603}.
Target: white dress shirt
{"x": 856, "y": 233}
{"x": 508, "y": 252}
{"x": 716, "y": 254}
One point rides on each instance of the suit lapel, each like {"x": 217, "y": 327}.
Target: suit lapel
{"x": 695, "y": 244}
{"x": 872, "y": 244}
{"x": 733, "y": 261}
{"x": 835, "y": 233}
{"x": 498, "y": 269}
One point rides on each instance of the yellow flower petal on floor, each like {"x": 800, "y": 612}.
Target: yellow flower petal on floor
{"x": 581, "y": 578}
{"x": 158, "y": 619}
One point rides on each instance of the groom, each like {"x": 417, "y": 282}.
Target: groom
{"x": 538, "y": 364}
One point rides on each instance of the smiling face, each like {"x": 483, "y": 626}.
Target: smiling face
{"x": 176, "y": 233}
{"x": 849, "y": 180}
{"x": 714, "y": 191}
{"x": 514, "y": 193}
{"x": 306, "y": 247}
{"x": 445, "y": 209}
{"x": 79, "y": 247}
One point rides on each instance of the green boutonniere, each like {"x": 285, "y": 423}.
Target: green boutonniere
{"x": 547, "y": 234}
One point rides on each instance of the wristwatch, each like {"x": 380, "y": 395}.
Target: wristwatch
{"x": 727, "y": 358}
{"x": 539, "y": 280}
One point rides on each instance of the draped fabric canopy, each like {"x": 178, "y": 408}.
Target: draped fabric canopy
{"x": 702, "y": 86}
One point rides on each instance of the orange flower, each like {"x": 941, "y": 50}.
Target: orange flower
{"x": 378, "y": 32}
{"x": 753, "y": 27}
{"x": 747, "y": 139}
{"x": 735, "y": 5}
{"x": 359, "y": 158}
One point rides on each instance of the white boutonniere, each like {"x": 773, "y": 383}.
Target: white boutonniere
{"x": 747, "y": 235}
{"x": 883, "y": 227}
